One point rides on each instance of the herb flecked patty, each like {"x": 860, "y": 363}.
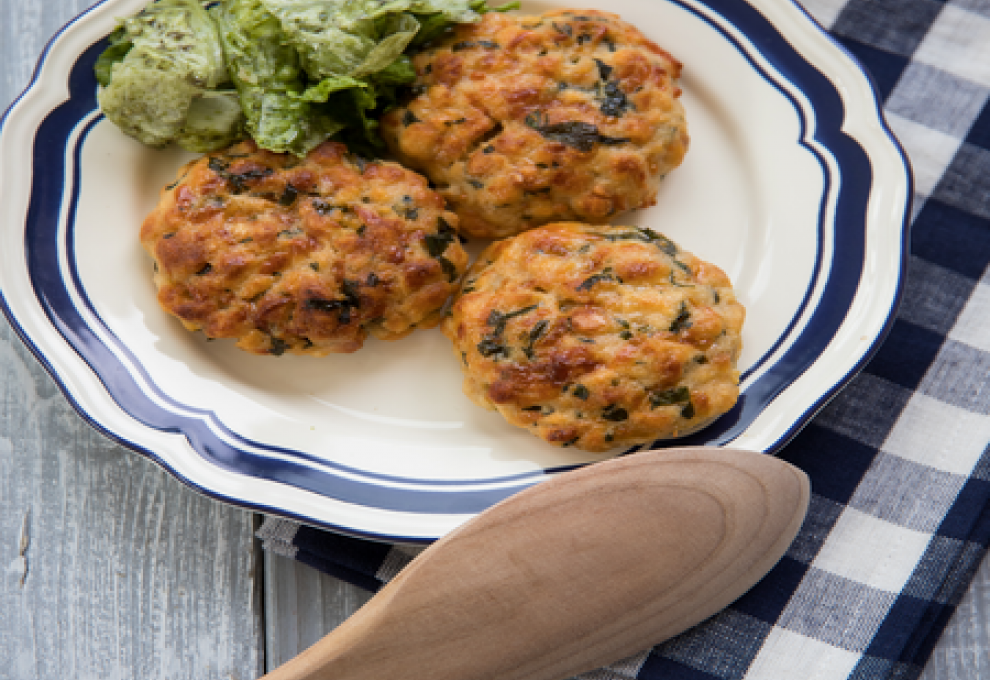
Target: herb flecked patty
{"x": 597, "y": 336}
{"x": 521, "y": 120}
{"x": 302, "y": 256}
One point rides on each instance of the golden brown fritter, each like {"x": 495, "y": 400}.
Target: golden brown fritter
{"x": 524, "y": 120}
{"x": 303, "y": 256}
{"x": 597, "y": 336}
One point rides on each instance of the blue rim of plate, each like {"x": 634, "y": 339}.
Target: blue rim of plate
{"x": 298, "y": 469}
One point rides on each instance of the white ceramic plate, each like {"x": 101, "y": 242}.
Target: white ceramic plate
{"x": 793, "y": 185}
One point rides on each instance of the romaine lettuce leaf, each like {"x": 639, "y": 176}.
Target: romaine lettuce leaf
{"x": 153, "y": 115}
{"x": 356, "y": 104}
{"x": 118, "y": 45}
{"x": 397, "y": 31}
{"x": 290, "y": 73}
{"x": 363, "y": 41}
{"x": 214, "y": 121}
{"x": 174, "y": 58}
{"x": 399, "y": 72}
{"x": 326, "y": 87}
{"x": 266, "y": 70}
{"x": 357, "y": 37}
{"x": 434, "y": 26}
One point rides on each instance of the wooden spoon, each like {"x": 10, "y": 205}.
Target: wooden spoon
{"x": 574, "y": 573}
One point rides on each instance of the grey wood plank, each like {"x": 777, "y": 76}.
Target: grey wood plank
{"x": 24, "y": 29}
{"x": 301, "y": 606}
{"x": 963, "y": 651}
{"x": 109, "y": 568}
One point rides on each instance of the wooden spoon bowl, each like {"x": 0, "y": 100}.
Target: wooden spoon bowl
{"x": 574, "y": 573}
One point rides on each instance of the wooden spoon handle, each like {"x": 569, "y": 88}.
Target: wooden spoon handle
{"x": 574, "y": 573}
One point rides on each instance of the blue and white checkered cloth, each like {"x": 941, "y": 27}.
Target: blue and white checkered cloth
{"x": 900, "y": 460}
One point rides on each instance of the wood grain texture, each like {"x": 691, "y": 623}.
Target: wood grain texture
{"x": 557, "y": 580}
{"x": 963, "y": 651}
{"x": 109, "y": 568}
{"x": 301, "y": 606}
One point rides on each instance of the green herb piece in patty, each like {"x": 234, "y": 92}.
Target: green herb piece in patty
{"x": 498, "y": 319}
{"x": 615, "y": 413}
{"x": 449, "y": 270}
{"x": 646, "y": 235}
{"x": 674, "y": 395}
{"x": 436, "y": 244}
{"x": 351, "y": 300}
{"x": 614, "y": 101}
{"x": 288, "y": 196}
{"x": 605, "y": 275}
{"x": 492, "y": 345}
{"x": 604, "y": 70}
{"x": 239, "y": 182}
{"x": 278, "y": 346}
{"x": 579, "y": 135}
{"x": 534, "y": 335}
{"x": 682, "y": 321}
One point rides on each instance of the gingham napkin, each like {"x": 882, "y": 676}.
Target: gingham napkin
{"x": 900, "y": 460}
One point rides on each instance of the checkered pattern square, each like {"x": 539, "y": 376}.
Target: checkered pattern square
{"x": 960, "y": 376}
{"x": 937, "y": 100}
{"x": 899, "y": 461}
{"x": 939, "y": 435}
{"x": 906, "y": 494}
{"x": 789, "y": 654}
{"x": 972, "y": 318}
{"x": 965, "y": 182}
{"x": 931, "y": 150}
{"x": 723, "y": 648}
{"x": 836, "y": 610}
{"x": 822, "y": 516}
{"x": 895, "y": 26}
{"x": 957, "y": 41}
{"x": 936, "y": 296}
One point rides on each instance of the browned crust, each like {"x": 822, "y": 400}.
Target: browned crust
{"x": 302, "y": 256}
{"x": 582, "y": 334}
{"x": 488, "y": 90}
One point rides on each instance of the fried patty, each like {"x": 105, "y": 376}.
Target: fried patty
{"x": 597, "y": 336}
{"x": 306, "y": 256}
{"x": 524, "y": 120}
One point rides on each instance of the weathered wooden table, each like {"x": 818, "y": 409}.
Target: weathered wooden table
{"x": 111, "y": 569}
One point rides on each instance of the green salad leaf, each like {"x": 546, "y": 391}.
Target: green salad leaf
{"x": 344, "y": 37}
{"x": 268, "y": 77}
{"x": 434, "y": 25}
{"x": 214, "y": 121}
{"x": 118, "y": 45}
{"x": 290, "y": 73}
{"x": 159, "y": 63}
